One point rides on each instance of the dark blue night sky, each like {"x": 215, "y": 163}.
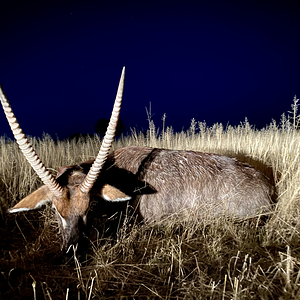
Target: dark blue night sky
{"x": 218, "y": 61}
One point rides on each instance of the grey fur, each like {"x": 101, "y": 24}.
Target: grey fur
{"x": 186, "y": 183}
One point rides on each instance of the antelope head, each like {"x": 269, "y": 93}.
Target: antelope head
{"x": 71, "y": 200}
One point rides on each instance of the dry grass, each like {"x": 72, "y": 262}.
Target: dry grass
{"x": 254, "y": 259}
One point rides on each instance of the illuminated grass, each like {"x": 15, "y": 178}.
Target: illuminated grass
{"x": 254, "y": 259}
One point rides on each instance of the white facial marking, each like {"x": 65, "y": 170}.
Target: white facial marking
{"x": 63, "y": 220}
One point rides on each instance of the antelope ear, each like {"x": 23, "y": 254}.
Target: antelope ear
{"x": 113, "y": 194}
{"x": 35, "y": 200}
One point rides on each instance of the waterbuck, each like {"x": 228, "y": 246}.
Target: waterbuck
{"x": 160, "y": 183}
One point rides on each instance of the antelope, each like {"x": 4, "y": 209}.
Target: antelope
{"x": 160, "y": 184}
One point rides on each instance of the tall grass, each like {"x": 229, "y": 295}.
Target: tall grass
{"x": 218, "y": 260}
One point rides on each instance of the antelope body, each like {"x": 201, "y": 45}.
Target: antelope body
{"x": 159, "y": 183}
{"x": 187, "y": 184}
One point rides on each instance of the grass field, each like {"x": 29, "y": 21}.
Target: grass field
{"x": 252, "y": 259}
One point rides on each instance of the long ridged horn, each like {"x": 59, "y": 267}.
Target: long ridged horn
{"x": 28, "y": 151}
{"x": 93, "y": 173}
